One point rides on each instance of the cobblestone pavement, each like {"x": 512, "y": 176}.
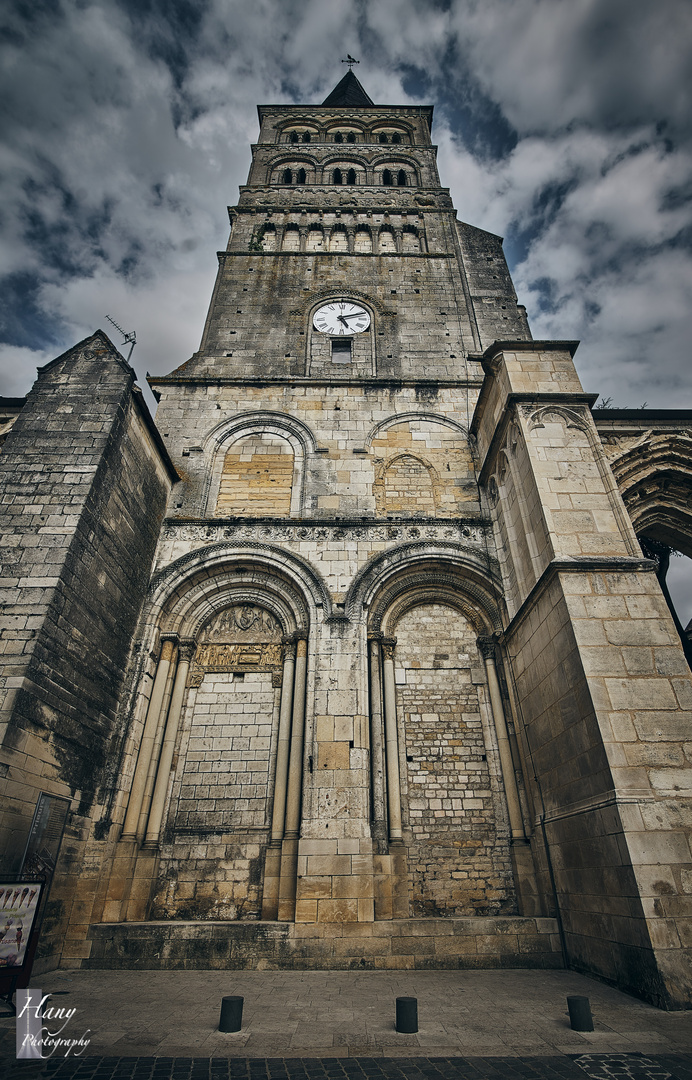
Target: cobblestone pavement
{"x": 581, "y": 1067}
{"x": 310, "y": 1025}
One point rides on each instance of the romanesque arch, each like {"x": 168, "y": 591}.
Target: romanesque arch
{"x": 435, "y": 702}
{"x": 422, "y": 464}
{"x": 218, "y": 738}
{"x": 256, "y": 465}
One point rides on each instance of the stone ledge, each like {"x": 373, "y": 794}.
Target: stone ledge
{"x": 492, "y": 942}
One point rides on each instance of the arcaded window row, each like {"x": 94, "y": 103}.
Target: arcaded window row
{"x": 299, "y": 135}
{"x": 391, "y": 177}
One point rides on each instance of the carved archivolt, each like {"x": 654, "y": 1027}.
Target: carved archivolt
{"x": 189, "y": 592}
{"x": 469, "y": 577}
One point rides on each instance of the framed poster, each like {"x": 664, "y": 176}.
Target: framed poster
{"x": 45, "y": 837}
{"x": 19, "y": 903}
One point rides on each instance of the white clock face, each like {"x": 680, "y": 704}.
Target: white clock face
{"x": 341, "y": 317}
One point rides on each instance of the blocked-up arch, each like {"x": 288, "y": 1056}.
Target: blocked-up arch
{"x": 406, "y": 483}
{"x": 429, "y": 698}
{"x": 237, "y": 447}
{"x": 228, "y": 625}
{"x": 423, "y": 466}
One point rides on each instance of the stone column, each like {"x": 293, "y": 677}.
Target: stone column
{"x": 486, "y": 645}
{"x": 272, "y": 866}
{"x": 158, "y": 802}
{"x": 153, "y": 764}
{"x": 392, "y": 742}
{"x": 153, "y": 719}
{"x": 379, "y": 812}
{"x": 351, "y": 239}
{"x": 289, "y": 849}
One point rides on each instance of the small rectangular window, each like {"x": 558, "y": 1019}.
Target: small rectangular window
{"x": 341, "y": 350}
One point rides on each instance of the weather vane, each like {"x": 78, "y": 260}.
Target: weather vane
{"x": 350, "y": 61}
{"x": 128, "y": 339}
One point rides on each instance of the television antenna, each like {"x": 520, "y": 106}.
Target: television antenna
{"x": 128, "y": 339}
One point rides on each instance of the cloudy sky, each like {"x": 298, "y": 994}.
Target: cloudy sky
{"x": 562, "y": 125}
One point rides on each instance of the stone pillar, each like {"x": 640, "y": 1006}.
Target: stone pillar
{"x": 603, "y": 693}
{"x": 378, "y": 812}
{"x": 392, "y": 741}
{"x": 289, "y": 849}
{"x": 154, "y": 720}
{"x": 516, "y": 824}
{"x": 158, "y": 802}
{"x": 351, "y": 239}
{"x": 153, "y": 764}
{"x": 272, "y": 866}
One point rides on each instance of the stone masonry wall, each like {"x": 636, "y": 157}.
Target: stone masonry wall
{"x": 84, "y": 486}
{"x": 459, "y": 862}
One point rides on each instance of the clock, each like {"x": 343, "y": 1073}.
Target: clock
{"x": 341, "y": 317}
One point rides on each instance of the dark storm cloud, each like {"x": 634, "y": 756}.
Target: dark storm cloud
{"x": 563, "y": 126}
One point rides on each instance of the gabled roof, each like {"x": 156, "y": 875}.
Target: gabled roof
{"x": 349, "y": 94}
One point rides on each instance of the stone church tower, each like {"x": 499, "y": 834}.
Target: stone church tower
{"x": 352, "y": 659}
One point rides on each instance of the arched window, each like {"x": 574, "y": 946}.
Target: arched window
{"x": 306, "y": 136}
{"x": 351, "y": 176}
{"x": 268, "y": 237}
{"x": 338, "y": 137}
{"x": 401, "y": 178}
{"x": 338, "y": 241}
{"x": 383, "y": 137}
{"x": 387, "y": 179}
{"x": 351, "y": 137}
{"x": 300, "y": 176}
{"x": 363, "y": 239}
{"x": 291, "y": 239}
{"x": 410, "y": 238}
{"x": 386, "y": 240}
{"x": 396, "y": 137}
{"x": 287, "y": 177}
{"x": 315, "y": 239}
{"x": 338, "y": 176}
{"x": 293, "y": 136}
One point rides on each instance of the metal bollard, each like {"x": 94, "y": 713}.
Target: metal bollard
{"x": 231, "y": 1014}
{"x": 580, "y": 1017}
{"x": 407, "y": 1015}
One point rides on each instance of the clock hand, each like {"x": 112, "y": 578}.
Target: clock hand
{"x": 353, "y": 315}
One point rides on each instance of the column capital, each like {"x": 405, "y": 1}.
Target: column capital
{"x": 168, "y": 644}
{"x": 486, "y": 644}
{"x": 187, "y": 649}
{"x": 388, "y": 644}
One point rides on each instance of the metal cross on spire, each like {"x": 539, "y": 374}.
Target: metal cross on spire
{"x": 350, "y": 61}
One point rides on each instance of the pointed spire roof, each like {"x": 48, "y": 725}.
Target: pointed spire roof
{"x": 348, "y": 94}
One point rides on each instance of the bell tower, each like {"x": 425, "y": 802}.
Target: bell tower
{"x": 322, "y": 429}
{"x": 343, "y": 201}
